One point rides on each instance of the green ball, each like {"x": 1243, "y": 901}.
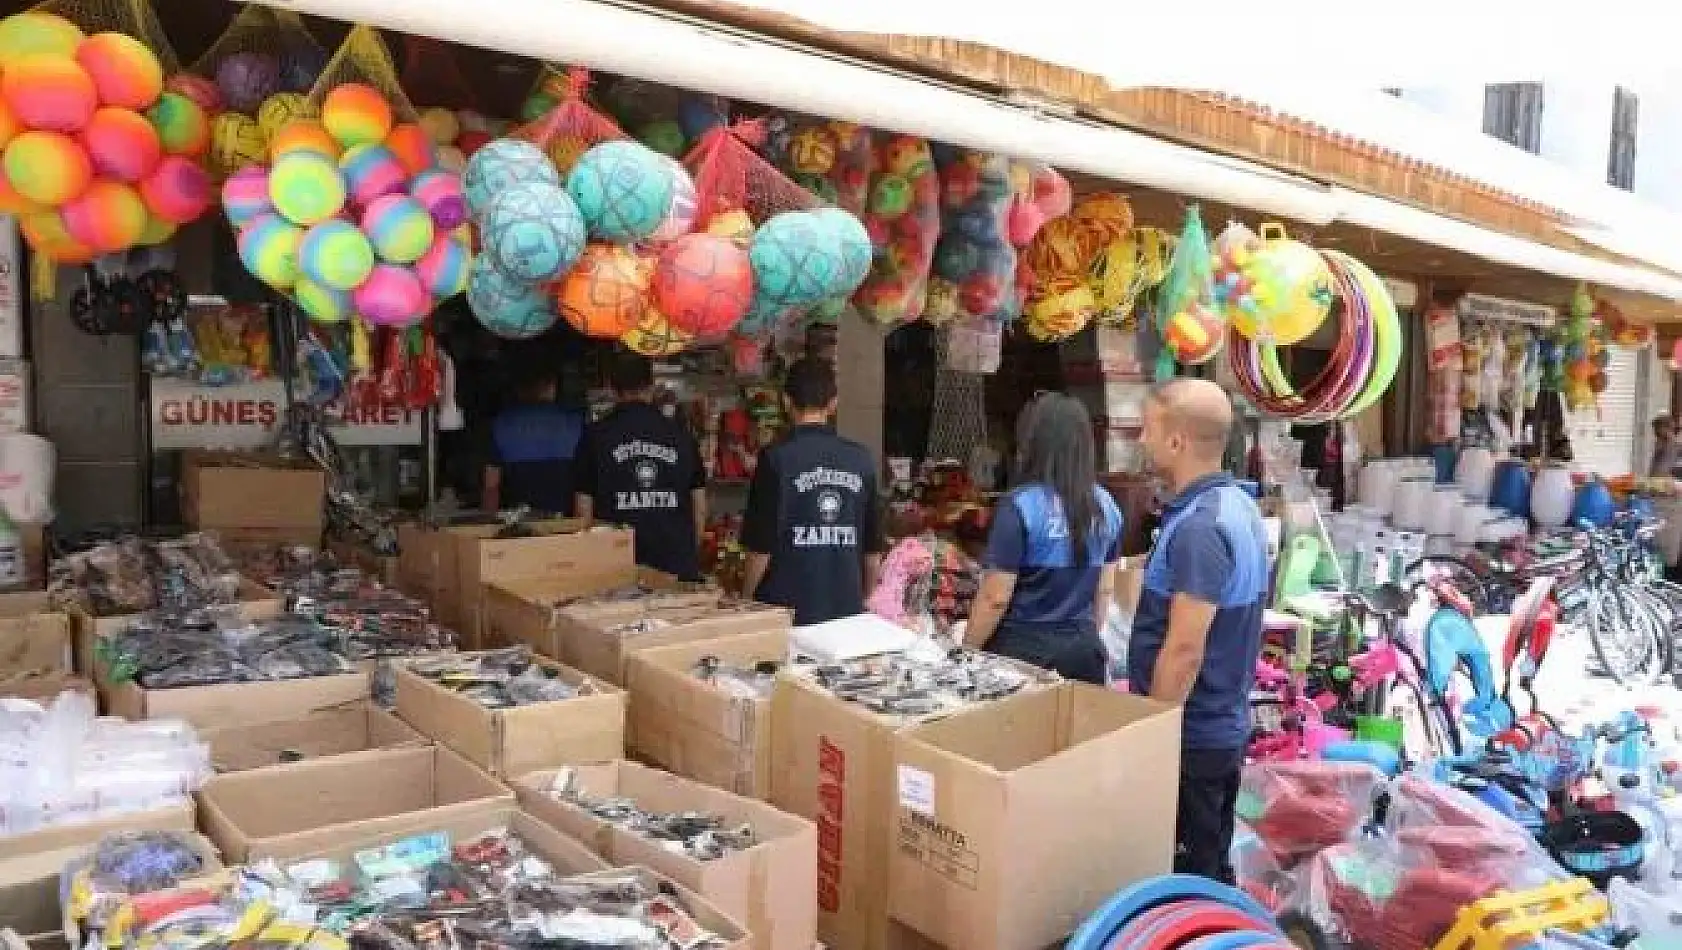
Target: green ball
{"x": 537, "y": 105}
{"x": 891, "y": 196}
{"x": 306, "y": 187}
{"x": 322, "y": 304}
{"x": 336, "y": 255}
{"x": 664, "y": 136}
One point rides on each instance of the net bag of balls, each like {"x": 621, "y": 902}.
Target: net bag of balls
{"x": 432, "y": 76}
{"x": 569, "y": 127}
{"x": 830, "y": 158}
{"x": 1054, "y": 274}
{"x": 363, "y": 59}
{"x": 1190, "y": 321}
{"x": 974, "y": 263}
{"x": 730, "y": 176}
{"x": 902, "y": 216}
{"x": 262, "y": 52}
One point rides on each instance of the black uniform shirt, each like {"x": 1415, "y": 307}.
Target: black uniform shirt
{"x": 639, "y": 467}
{"x": 812, "y": 509}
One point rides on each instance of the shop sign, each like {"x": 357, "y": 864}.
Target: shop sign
{"x": 186, "y": 415}
{"x": 1500, "y": 310}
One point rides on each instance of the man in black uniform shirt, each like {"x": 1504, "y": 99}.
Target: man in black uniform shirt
{"x": 811, "y": 526}
{"x": 638, "y": 468}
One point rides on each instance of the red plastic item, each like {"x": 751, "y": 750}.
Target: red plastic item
{"x": 730, "y": 176}
{"x": 1171, "y": 925}
{"x": 391, "y": 369}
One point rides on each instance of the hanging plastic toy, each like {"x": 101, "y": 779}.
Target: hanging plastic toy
{"x": 1191, "y": 326}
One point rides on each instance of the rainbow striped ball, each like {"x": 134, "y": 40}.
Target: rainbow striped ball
{"x": 47, "y": 168}
{"x": 123, "y": 70}
{"x": 392, "y": 296}
{"x": 122, "y": 145}
{"x": 371, "y": 171}
{"x": 268, "y": 247}
{"x": 50, "y": 93}
{"x": 413, "y": 148}
{"x": 443, "y": 268}
{"x": 356, "y": 114}
{"x": 178, "y": 192}
{"x": 108, "y": 217}
{"x": 303, "y": 135}
{"x": 440, "y": 194}
{"x": 335, "y": 254}
{"x": 399, "y": 228}
{"x": 307, "y": 188}
{"x": 321, "y": 303}
{"x": 245, "y": 195}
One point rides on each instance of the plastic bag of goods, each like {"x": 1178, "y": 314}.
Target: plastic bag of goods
{"x": 730, "y": 176}
{"x": 974, "y": 263}
{"x": 830, "y": 158}
{"x": 1298, "y": 808}
{"x": 571, "y": 126}
{"x": 902, "y": 217}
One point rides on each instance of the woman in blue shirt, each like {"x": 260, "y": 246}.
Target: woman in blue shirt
{"x": 1051, "y": 555}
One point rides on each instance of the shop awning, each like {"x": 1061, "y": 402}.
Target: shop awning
{"x": 703, "y": 56}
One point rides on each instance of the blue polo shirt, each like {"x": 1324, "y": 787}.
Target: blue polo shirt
{"x": 1030, "y": 538}
{"x": 534, "y": 446}
{"x": 1212, "y": 546}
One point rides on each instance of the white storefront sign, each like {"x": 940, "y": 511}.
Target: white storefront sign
{"x": 186, "y": 415}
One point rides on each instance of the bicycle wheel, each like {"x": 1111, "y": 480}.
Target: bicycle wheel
{"x": 1625, "y": 639}
{"x": 1456, "y": 571}
{"x": 1662, "y": 609}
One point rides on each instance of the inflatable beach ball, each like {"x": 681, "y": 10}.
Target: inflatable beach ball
{"x": 307, "y": 188}
{"x": 392, "y": 296}
{"x": 268, "y": 247}
{"x": 443, "y": 269}
{"x": 623, "y": 189}
{"x": 532, "y": 232}
{"x": 500, "y": 165}
{"x": 336, "y": 255}
{"x": 797, "y": 259}
{"x": 606, "y": 292}
{"x": 356, "y": 114}
{"x": 703, "y": 284}
{"x": 508, "y": 308}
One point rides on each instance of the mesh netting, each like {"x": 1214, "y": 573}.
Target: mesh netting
{"x": 902, "y": 216}
{"x": 260, "y": 29}
{"x": 830, "y": 158}
{"x": 363, "y": 58}
{"x": 432, "y": 77}
{"x": 730, "y": 176}
{"x": 571, "y": 127}
{"x": 134, "y": 17}
{"x": 958, "y": 421}
{"x": 974, "y": 263}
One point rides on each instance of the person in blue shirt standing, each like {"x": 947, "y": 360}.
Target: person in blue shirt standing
{"x": 1197, "y": 627}
{"x": 532, "y": 445}
{"x": 1050, "y": 565}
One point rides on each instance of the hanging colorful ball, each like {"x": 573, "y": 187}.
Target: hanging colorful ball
{"x": 680, "y": 212}
{"x": 121, "y": 144}
{"x": 178, "y": 191}
{"x": 44, "y": 231}
{"x": 280, "y": 110}
{"x": 392, "y": 296}
{"x": 200, "y": 90}
{"x": 444, "y": 267}
{"x": 336, "y": 254}
{"x": 703, "y": 284}
{"x": 439, "y": 192}
{"x": 321, "y": 303}
{"x": 812, "y": 150}
{"x": 306, "y": 188}
{"x": 246, "y": 79}
{"x": 655, "y": 337}
{"x": 664, "y": 136}
{"x": 606, "y": 292}
{"x": 1291, "y": 287}
{"x": 533, "y": 232}
{"x": 36, "y": 33}
{"x": 698, "y": 113}
{"x": 441, "y": 126}
{"x": 47, "y": 168}
{"x": 303, "y": 135}
{"x": 500, "y": 165}
{"x": 181, "y": 125}
{"x": 1194, "y": 335}
{"x": 856, "y": 249}
{"x": 413, "y": 147}
{"x": 398, "y": 227}
{"x": 371, "y": 171}
{"x": 245, "y": 195}
{"x": 235, "y": 142}
{"x": 124, "y": 72}
{"x": 268, "y": 247}
{"x": 622, "y": 189}
{"x": 13, "y": 203}
{"x": 50, "y": 93}
{"x": 796, "y": 259}
{"x": 509, "y": 308}
{"x": 9, "y": 124}
{"x": 107, "y": 217}
{"x": 356, "y": 114}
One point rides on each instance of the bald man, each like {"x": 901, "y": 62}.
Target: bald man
{"x": 1197, "y": 629}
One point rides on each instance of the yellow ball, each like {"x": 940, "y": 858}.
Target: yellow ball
{"x": 235, "y": 142}
{"x": 1290, "y": 293}
{"x": 441, "y": 126}
{"x": 812, "y": 151}
{"x": 278, "y": 110}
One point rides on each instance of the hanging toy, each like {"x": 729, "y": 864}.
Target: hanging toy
{"x": 1289, "y": 292}
{"x": 1191, "y": 326}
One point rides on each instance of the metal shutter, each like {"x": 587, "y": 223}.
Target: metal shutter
{"x": 1603, "y": 440}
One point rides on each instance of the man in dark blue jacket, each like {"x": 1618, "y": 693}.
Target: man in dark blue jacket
{"x": 531, "y": 451}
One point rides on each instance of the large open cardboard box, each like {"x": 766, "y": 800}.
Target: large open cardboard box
{"x": 696, "y": 730}
{"x": 351, "y": 727}
{"x": 80, "y": 834}
{"x": 509, "y": 742}
{"x": 1016, "y": 821}
{"x": 34, "y": 637}
{"x": 87, "y": 630}
{"x": 304, "y": 807}
{"x": 771, "y": 886}
{"x": 565, "y": 853}
{"x": 252, "y": 490}
{"x": 523, "y": 610}
{"x": 834, "y": 764}
{"x": 29, "y": 887}
{"x": 592, "y": 637}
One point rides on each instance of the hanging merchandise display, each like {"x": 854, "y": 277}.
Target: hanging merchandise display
{"x": 1273, "y": 288}
{"x": 1191, "y": 325}
{"x": 1060, "y": 261}
{"x": 830, "y": 158}
{"x": 974, "y": 262}
{"x": 249, "y": 86}
{"x": 902, "y": 217}
{"x": 568, "y": 126}
{"x": 1580, "y": 349}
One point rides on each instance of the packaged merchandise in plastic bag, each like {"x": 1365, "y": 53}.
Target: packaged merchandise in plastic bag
{"x": 974, "y": 263}
{"x": 902, "y": 217}
{"x": 730, "y": 176}
{"x": 569, "y": 128}
{"x": 1299, "y": 807}
{"x": 831, "y": 158}
{"x": 92, "y": 888}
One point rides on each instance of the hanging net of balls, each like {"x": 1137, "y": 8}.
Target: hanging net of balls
{"x": 432, "y": 76}
{"x": 730, "y": 176}
{"x": 572, "y": 125}
{"x": 958, "y": 420}
{"x": 263, "y": 51}
{"x": 363, "y": 58}
{"x": 134, "y": 17}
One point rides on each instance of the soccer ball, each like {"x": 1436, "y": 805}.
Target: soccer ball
{"x": 508, "y": 308}
{"x": 500, "y": 165}
{"x": 533, "y": 232}
{"x": 623, "y": 189}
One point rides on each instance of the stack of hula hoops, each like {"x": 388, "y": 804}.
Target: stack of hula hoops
{"x": 1180, "y": 912}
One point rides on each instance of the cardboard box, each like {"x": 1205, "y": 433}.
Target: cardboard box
{"x": 523, "y": 610}
{"x": 353, "y": 727}
{"x": 251, "y": 490}
{"x": 292, "y": 810}
{"x": 566, "y": 854}
{"x": 594, "y": 638}
{"x": 509, "y": 742}
{"x": 29, "y": 887}
{"x": 34, "y": 638}
{"x": 699, "y": 731}
{"x": 44, "y": 689}
{"x": 87, "y": 629}
{"x": 770, "y": 887}
{"x": 171, "y": 818}
{"x": 1017, "y": 821}
{"x": 835, "y": 766}
{"x": 386, "y": 570}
